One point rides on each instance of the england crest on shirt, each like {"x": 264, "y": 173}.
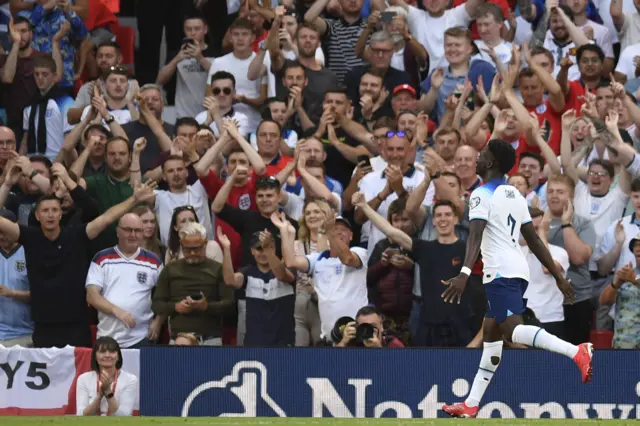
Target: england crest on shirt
{"x": 21, "y": 266}
{"x": 541, "y": 109}
{"x": 142, "y": 277}
{"x": 244, "y": 202}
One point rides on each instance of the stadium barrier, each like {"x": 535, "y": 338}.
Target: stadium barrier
{"x": 327, "y": 382}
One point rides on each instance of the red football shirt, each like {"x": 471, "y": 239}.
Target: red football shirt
{"x": 577, "y": 96}
{"x": 277, "y": 164}
{"x": 242, "y": 197}
{"x": 545, "y": 112}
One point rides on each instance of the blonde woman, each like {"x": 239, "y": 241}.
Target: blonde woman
{"x": 181, "y": 216}
{"x": 151, "y": 241}
{"x": 311, "y": 239}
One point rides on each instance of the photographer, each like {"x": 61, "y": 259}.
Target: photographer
{"x": 367, "y": 330}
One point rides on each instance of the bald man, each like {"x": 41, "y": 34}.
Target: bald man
{"x": 119, "y": 286}
{"x": 465, "y": 164}
{"x": 7, "y": 145}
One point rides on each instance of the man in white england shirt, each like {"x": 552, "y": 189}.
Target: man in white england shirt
{"x": 250, "y": 95}
{"x": 544, "y": 297}
{"x": 219, "y": 106}
{"x": 490, "y": 21}
{"x": 428, "y": 26}
{"x": 180, "y": 194}
{"x": 113, "y": 103}
{"x": 119, "y": 286}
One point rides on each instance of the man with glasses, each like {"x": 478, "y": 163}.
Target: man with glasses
{"x": 119, "y": 285}
{"x": 219, "y": 107}
{"x": 398, "y": 179}
{"x": 191, "y": 291}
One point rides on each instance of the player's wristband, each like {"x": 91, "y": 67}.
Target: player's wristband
{"x": 465, "y": 270}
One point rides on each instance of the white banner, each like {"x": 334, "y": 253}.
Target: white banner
{"x": 42, "y": 381}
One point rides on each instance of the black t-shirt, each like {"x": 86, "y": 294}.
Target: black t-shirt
{"x": 57, "y": 271}
{"x": 439, "y": 262}
{"x": 335, "y": 164}
{"x": 21, "y": 205}
{"x": 270, "y": 305}
{"x": 135, "y": 130}
{"x": 317, "y": 84}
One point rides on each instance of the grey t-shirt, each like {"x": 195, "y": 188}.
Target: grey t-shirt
{"x": 83, "y": 99}
{"x": 578, "y": 274}
{"x": 190, "y": 86}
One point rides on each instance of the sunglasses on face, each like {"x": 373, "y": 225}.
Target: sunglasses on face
{"x": 398, "y": 134}
{"x": 598, "y": 174}
{"x": 226, "y": 91}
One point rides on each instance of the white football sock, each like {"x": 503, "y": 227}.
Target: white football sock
{"x": 491, "y": 357}
{"x": 531, "y": 335}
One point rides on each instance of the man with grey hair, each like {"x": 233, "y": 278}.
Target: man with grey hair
{"x": 150, "y": 126}
{"x": 408, "y": 54}
{"x": 191, "y": 291}
{"x": 382, "y": 50}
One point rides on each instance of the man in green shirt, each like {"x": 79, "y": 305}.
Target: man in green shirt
{"x": 113, "y": 187}
{"x": 191, "y": 291}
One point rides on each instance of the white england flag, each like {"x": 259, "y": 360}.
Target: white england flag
{"x": 42, "y": 381}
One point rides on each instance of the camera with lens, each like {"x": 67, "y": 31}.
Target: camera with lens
{"x": 364, "y": 332}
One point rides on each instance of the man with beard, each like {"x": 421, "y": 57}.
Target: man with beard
{"x": 562, "y": 38}
{"x": 17, "y": 73}
{"x": 339, "y": 33}
{"x": 368, "y": 106}
{"x": 180, "y": 194}
{"x": 111, "y": 188}
{"x": 446, "y": 142}
{"x": 191, "y": 291}
{"x": 311, "y": 77}
{"x": 381, "y": 51}
{"x": 108, "y": 55}
{"x": 113, "y": 103}
{"x": 150, "y": 126}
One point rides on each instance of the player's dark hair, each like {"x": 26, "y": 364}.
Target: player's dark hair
{"x": 504, "y": 154}
{"x": 535, "y": 156}
{"x": 589, "y": 48}
{"x": 108, "y": 344}
{"x": 606, "y": 165}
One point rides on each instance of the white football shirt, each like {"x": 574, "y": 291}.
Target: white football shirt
{"x": 505, "y": 211}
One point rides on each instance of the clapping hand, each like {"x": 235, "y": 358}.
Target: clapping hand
{"x": 143, "y": 192}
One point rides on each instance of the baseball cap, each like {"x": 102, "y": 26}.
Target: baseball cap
{"x": 345, "y": 221}
{"x": 404, "y": 88}
{"x": 8, "y": 214}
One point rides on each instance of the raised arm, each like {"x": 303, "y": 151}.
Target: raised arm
{"x": 359, "y": 133}
{"x": 275, "y": 263}
{"x": 313, "y": 16}
{"x": 273, "y": 42}
{"x": 254, "y": 158}
{"x": 56, "y": 54}
{"x": 617, "y": 14}
{"x": 141, "y": 194}
{"x": 231, "y": 278}
{"x": 9, "y": 68}
{"x": 210, "y": 156}
{"x": 381, "y": 223}
{"x": 223, "y": 194}
{"x": 349, "y": 152}
{"x": 556, "y": 95}
{"x": 164, "y": 141}
{"x": 568, "y": 167}
{"x": 288, "y": 236}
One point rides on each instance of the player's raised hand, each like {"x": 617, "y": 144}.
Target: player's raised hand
{"x": 455, "y": 288}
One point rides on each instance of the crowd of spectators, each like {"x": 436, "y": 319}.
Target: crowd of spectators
{"x": 250, "y": 219}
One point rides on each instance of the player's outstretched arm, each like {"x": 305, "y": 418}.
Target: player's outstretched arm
{"x": 539, "y": 249}
{"x": 457, "y": 285}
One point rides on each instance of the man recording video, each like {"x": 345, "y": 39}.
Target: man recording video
{"x": 367, "y": 330}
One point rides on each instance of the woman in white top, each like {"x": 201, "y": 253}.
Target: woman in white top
{"x": 107, "y": 390}
{"x": 311, "y": 239}
{"x": 181, "y": 216}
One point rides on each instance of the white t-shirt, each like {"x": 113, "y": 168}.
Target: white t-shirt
{"x": 608, "y": 241}
{"x": 373, "y": 183}
{"x": 190, "y": 85}
{"x": 397, "y": 60}
{"x": 602, "y": 37}
{"x": 290, "y": 55}
{"x": 126, "y": 282}
{"x": 195, "y": 196}
{"x": 290, "y": 138}
{"x": 625, "y": 63}
{"x": 523, "y": 31}
{"x": 125, "y": 392}
{"x": 603, "y": 8}
{"x": 429, "y": 31}
{"x": 505, "y": 210}
{"x": 503, "y": 52}
{"x": 630, "y": 33}
{"x": 122, "y": 116}
{"x": 601, "y": 211}
{"x": 341, "y": 289}
{"x": 251, "y": 89}
{"x": 57, "y": 127}
{"x": 560, "y": 52}
{"x": 543, "y": 295}
{"x": 240, "y": 118}
{"x": 294, "y": 208}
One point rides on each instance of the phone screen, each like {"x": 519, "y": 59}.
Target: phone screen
{"x": 366, "y": 160}
{"x": 387, "y": 16}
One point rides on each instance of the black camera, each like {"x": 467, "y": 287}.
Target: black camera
{"x": 363, "y": 332}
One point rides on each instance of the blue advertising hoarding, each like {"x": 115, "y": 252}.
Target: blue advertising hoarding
{"x": 406, "y": 383}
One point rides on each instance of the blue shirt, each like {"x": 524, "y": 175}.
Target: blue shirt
{"x": 46, "y": 24}
{"x": 15, "y": 316}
